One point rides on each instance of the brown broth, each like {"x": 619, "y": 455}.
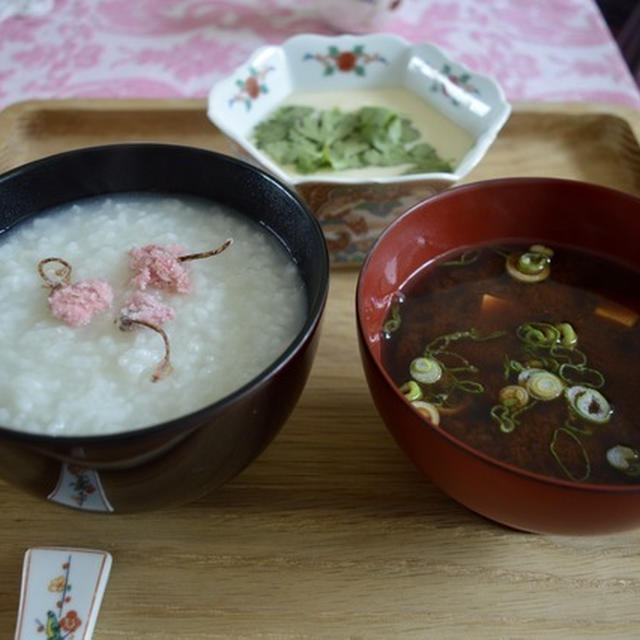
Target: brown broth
{"x": 444, "y": 298}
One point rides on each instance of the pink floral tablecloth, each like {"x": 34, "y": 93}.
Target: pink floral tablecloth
{"x": 547, "y": 50}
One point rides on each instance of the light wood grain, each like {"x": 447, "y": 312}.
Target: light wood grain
{"x": 331, "y": 533}
{"x": 593, "y": 142}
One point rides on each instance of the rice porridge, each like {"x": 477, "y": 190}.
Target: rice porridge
{"x": 242, "y": 310}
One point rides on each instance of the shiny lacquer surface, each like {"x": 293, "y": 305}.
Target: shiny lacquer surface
{"x": 556, "y": 211}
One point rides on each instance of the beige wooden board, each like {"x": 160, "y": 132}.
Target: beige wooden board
{"x": 331, "y": 533}
{"x": 598, "y": 143}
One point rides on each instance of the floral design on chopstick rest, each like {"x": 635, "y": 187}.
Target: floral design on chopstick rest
{"x": 61, "y": 593}
{"x": 251, "y": 87}
{"x": 453, "y": 85}
{"x": 57, "y": 621}
{"x": 345, "y": 60}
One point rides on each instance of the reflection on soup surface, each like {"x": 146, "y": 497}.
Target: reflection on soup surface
{"x": 528, "y": 353}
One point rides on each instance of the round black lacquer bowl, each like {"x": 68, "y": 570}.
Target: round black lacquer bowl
{"x": 180, "y": 460}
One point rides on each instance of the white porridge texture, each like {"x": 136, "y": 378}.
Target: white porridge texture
{"x": 245, "y": 307}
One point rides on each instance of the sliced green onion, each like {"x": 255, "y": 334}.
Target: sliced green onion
{"x": 543, "y": 385}
{"x": 532, "y": 263}
{"x": 526, "y": 269}
{"x": 411, "y": 390}
{"x": 571, "y": 355}
{"x": 452, "y": 402}
{"x": 441, "y": 343}
{"x": 588, "y": 376}
{"x": 624, "y": 459}
{"x": 556, "y": 455}
{"x": 467, "y": 257}
{"x": 390, "y": 326}
{"x": 394, "y": 321}
{"x": 538, "y": 334}
{"x": 425, "y": 370}
{"x": 540, "y": 383}
{"x": 589, "y": 404}
{"x": 540, "y": 248}
{"x": 549, "y": 364}
{"x": 576, "y": 427}
{"x": 511, "y": 366}
{"x": 525, "y": 374}
{"x": 568, "y": 335}
{"x": 428, "y": 410}
{"x": 502, "y": 415}
{"x": 455, "y": 363}
{"x": 513, "y": 396}
{"x": 470, "y": 386}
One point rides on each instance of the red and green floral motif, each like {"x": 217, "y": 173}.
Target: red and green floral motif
{"x": 352, "y": 216}
{"x": 251, "y": 87}
{"x": 81, "y": 486}
{"x": 59, "y": 625}
{"x": 345, "y": 61}
{"x": 458, "y": 79}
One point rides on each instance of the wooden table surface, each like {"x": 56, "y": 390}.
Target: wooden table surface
{"x": 332, "y": 534}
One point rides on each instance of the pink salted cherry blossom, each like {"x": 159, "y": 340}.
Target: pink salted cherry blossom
{"x": 158, "y": 266}
{"x": 144, "y": 310}
{"x": 162, "y": 266}
{"x": 77, "y": 303}
{"x": 143, "y": 307}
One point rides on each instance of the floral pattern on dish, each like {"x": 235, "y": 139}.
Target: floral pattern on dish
{"x": 352, "y": 216}
{"x": 251, "y": 87}
{"x": 461, "y": 79}
{"x": 354, "y": 209}
{"x": 346, "y": 60}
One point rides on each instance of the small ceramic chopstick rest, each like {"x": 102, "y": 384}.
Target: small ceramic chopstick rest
{"x": 61, "y": 593}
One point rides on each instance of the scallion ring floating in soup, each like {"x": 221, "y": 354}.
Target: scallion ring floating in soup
{"x": 537, "y": 372}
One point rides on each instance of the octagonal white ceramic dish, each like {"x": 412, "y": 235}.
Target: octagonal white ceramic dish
{"x": 353, "y": 210}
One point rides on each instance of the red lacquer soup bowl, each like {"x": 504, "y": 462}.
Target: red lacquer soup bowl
{"x": 560, "y": 212}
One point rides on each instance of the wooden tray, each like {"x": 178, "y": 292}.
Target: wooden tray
{"x": 598, "y": 143}
{"x": 331, "y": 533}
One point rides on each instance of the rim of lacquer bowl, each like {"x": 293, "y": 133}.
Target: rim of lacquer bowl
{"x": 461, "y": 444}
{"x": 298, "y": 342}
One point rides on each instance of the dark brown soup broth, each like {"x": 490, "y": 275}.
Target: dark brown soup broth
{"x": 472, "y": 292}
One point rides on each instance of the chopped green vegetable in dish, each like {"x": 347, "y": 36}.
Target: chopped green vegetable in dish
{"x": 311, "y": 140}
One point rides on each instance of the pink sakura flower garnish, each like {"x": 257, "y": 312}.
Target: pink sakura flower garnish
{"x": 145, "y": 307}
{"x": 154, "y": 266}
{"x": 144, "y": 310}
{"x": 77, "y": 303}
{"x": 158, "y": 266}
{"x": 161, "y": 266}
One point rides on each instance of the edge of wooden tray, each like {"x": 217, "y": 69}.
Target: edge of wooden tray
{"x": 37, "y": 120}
{"x": 13, "y": 111}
